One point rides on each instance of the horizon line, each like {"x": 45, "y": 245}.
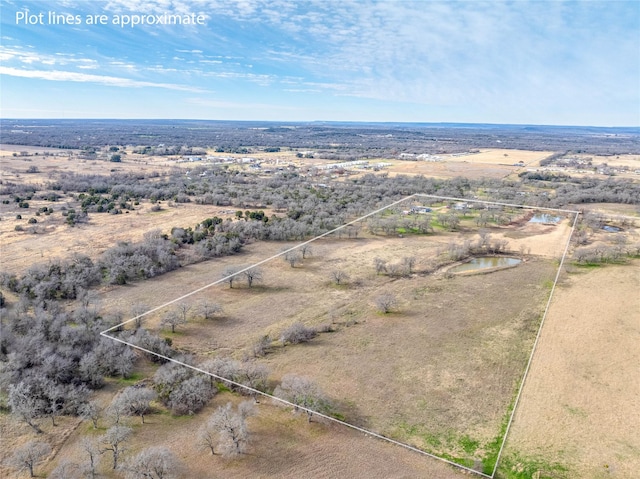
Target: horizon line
{"x": 367, "y": 122}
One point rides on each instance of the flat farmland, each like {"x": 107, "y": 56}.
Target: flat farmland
{"x": 282, "y": 445}
{"x": 450, "y": 169}
{"x": 493, "y": 163}
{"x": 55, "y": 239}
{"x": 438, "y": 373}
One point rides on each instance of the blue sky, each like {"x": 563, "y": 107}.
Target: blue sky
{"x": 557, "y": 63}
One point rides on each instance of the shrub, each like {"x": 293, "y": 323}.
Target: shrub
{"x": 297, "y": 333}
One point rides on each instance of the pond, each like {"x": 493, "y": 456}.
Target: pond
{"x": 485, "y": 262}
{"x": 545, "y": 218}
{"x": 611, "y": 229}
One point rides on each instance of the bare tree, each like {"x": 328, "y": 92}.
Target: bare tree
{"x": 409, "y": 262}
{"x": 66, "y": 469}
{"x": 306, "y": 250}
{"x": 293, "y": 257}
{"x": 24, "y": 403}
{"x": 380, "y": 265}
{"x": 136, "y": 401}
{"x": 208, "y": 437}
{"x": 386, "y": 302}
{"x": 261, "y": 346}
{"x": 253, "y": 275}
{"x": 229, "y": 275}
{"x": 136, "y": 310}
{"x": 114, "y": 440}
{"x": 173, "y": 319}
{"x": 338, "y": 276}
{"x": 90, "y": 410}
{"x": 302, "y": 392}
{"x": 92, "y": 452}
{"x": 208, "y": 309}
{"x": 183, "y": 310}
{"x": 232, "y": 430}
{"x": 28, "y": 456}
{"x": 254, "y": 375}
{"x": 155, "y": 462}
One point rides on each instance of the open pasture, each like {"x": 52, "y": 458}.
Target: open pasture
{"x": 438, "y": 372}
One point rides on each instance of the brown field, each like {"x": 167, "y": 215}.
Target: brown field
{"x": 440, "y": 370}
{"x": 503, "y": 157}
{"x": 486, "y": 164}
{"x": 283, "y": 445}
{"x": 631, "y": 161}
{"x": 580, "y": 404}
{"x": 450, "y": 169}
{"x": 451, "y": 356}
{"x": 56, "y": 239}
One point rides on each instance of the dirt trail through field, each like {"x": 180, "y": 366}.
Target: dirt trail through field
{"x": 581, "y": 401}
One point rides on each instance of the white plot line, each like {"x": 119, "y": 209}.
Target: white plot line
{"x": 117, "y": 326}
{"x": 296, "y": 406}
{"x": 535, "y": 344}
{"x": 274, "y": 398}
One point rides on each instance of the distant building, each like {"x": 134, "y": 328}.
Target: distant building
{"x": 419, "y": 210}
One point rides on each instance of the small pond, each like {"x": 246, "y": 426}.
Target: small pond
{"x": 545, "y": 218}
{"x": 611, "y": 229}
{"x": 485, "y": 262}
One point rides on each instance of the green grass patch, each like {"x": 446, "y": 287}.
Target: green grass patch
{"x": 338, "y": 416}
{"x": 470, "y": 446}
{"x": 518, "y": 467}
{"x": 134, "y": 378}
{"x": 586, "y": 265}
{"x": 222, "y": 388}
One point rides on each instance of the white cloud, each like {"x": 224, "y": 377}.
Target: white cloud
{"x": 57, "y": 75}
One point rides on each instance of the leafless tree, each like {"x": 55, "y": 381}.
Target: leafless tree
{"x": 394, "y": 269}
{"x": 91, "y": 410}
{"x": 26, "y": 458}
{"x": 183, "y": 310}
{"x": 230, "y": 275}
{"x": 136, "y": 401}
{"x": 136, "y": 310}
{"x": 66, "y": 469}
{"x": 114, "y": 441}
{"x": 155, "y": 462}
{"x": 261, "y": 346}
{"x": 92, "y": 452}
{"x": 409, "y": 262}
{"x": 380, "y": 265}
{"x": 306, "y": 250}
{"x": 26, "y": 405}
{"x": 253, "y": 275}
{"x": 173, "y": 319}
{"x": 338, "y": 276}
{"x": 386, "y": 303}
{"x": 208, "y": 309}
{"x": 302, "y": 392}
{"x": 293, "y": 257}
{"x": 231, "y": 427}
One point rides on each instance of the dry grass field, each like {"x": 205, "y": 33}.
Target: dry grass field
{"x": 494, "y": 163}
{"x": 579, "y": 407}
{"x": 439, "y": 373}
{"x": 283, "y": 445}
{"x": 56, "y": 239}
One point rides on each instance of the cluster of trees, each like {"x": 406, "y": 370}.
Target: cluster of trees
{"x": 128, "y": 262}
{"x": 51, "y": 359}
